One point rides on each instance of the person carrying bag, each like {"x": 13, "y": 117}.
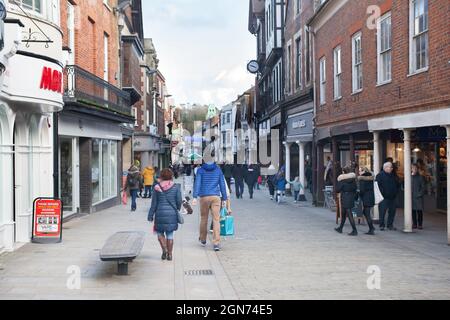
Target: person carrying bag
{"x": 165, "y": 212}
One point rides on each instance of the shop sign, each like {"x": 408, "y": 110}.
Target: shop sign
{"x": 300, "y": 124}
{"x": 51, "y": 80}
{"x": 275, "y": 120}
{"x": 47, "y": 220}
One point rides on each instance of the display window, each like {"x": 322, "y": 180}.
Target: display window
{"x": 104, "y": 170}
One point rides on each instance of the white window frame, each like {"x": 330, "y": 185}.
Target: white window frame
{"x": 288, "y": 67}
{"x": 323, "y": 80}
{"x": 413, "y": 37}
{"x": 357, "y": 66}
{"x": 337, "y": 59}
{"x": 380, "y": 54}
{"x": 298, "y": 63}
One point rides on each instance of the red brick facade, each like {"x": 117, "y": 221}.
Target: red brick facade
{"x": 405, "y": 93}
{"x": 93, "y": 19}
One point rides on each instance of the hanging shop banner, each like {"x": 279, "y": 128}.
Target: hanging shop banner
{"x": 47, "y": 220}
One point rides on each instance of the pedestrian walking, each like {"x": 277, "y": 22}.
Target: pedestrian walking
{"x": 271, "y": 186}
{"x": 296, "y": 187}
{"x": 238, "y": 175}
{"x": 166, "y": 204}
{"x": 347, "y": 188}
{"x": 251, "y": 178}
{"x": 260, "y": 182}
{"x": 210, "y": 187}
{"x": 134, "y": 181}
{"x": 228, "y": 173}
{"x": 389, "y": 188}
{"x": 367, "y": 196}
{"x": 149, "y": 180}
{"x": 280, "y": 185}
{"x": 418, "y": 192}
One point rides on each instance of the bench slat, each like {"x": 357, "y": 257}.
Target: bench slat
{"x": 123, "y": 245}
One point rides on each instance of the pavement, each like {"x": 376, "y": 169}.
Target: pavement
{"x": 288, "y": 251}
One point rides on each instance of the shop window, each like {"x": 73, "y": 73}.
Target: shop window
{"x": 104, "y": 170}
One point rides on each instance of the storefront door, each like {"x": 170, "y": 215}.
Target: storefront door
{"x": 69, "y": 174}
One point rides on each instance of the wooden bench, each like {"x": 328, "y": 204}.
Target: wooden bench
{"x": 123, "y": 247}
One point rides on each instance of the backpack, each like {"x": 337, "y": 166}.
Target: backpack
{"x": 131, "y": 180}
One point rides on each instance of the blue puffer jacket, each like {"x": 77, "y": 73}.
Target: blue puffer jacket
{"x": 210, "y": 182}
{"x": 164, "y": 214}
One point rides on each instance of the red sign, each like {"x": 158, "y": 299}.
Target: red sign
{"x": 47, "y": 218}
{"x": 51, "y": 80}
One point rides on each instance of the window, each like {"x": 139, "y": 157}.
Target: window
{"x": 298, "y": 62}
{"x": 147, "y": 117}
{"x": 104, "y": 170}
{"x": 307, "y": 57}
{"x": 418, "y": 35}
{"x": 323, "y": 81}
{"x": 228, "y": 117}
{"x": 384, "y": 45}
{"x": 288, "y": 69}
{"x": 105, "y": 58}
{"x": 337, "y": 73}
{"x": 134, "y": 114}
{"x": 357, "y": 62}
{"x": 299, "y": 6}
{"x": 33, "y": 5}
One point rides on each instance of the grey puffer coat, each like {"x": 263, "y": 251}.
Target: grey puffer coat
{"x": 165, "y": 208}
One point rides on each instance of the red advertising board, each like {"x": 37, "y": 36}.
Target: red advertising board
{"x": 47, "y": 220}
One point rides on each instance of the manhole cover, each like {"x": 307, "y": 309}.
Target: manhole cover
{"x": 199, "y": 273}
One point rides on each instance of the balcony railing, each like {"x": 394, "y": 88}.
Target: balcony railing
{"x": 85, "y": 88}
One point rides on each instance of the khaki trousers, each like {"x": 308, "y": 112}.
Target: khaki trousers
{"x": 210, "y": 204}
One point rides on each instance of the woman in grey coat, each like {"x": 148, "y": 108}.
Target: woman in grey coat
{"x": 166, "y": 203}
{"x": 418, "y": 192}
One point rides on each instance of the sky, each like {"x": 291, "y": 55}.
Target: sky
{"x": 203, "y": 47}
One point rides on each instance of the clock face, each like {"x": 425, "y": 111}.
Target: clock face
{"x": 253, "y": 66}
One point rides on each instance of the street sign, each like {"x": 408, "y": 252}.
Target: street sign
{"x": 47, "y": 220}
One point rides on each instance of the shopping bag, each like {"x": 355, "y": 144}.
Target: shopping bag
{"x": 378, "y": 196}
{"x": 227, "y": 226}
{"x": 223, "y": 213}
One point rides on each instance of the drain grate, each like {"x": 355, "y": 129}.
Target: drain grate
{"x": 199, "y": 273}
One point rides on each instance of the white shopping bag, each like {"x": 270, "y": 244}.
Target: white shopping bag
{"x": 378, "y": 196}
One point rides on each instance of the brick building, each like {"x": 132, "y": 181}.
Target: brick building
{"x": 297, "y": 102}
{"x": 382, "y": 84}
{"x": 98, "y": 97}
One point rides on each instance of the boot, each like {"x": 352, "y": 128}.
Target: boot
{"x": 169, "y": 250}
{"x": 343, "y": 219}
{"x": 163, "y": 243}
{"x": 352, "y": 222}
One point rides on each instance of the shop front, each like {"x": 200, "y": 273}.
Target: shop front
{"x": 421, "y": 138}
{"x": 90, "y": 163}
{"x": 298, "y": 146}
{"x": 30, "y": 95}
{"x": 146, "y": 149}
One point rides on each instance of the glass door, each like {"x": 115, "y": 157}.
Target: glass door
{"x": 68, "y": 179}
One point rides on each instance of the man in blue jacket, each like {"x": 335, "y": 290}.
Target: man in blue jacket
{"x": 210, "y": 188}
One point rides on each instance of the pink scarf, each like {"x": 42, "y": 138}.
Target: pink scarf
{"x": 165, "y": 185}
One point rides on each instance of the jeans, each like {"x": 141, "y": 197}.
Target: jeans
{"x": 387, "y": 205}
{"x": 296, "y": 193}
{"x": 133, "y": 194}
{"x": 419, "y": 214}
{"x": 168, "y": 235}
{"x": 251, "y": 188}
{"x": 239, "y": 188}
{"x": 148, "y": 191}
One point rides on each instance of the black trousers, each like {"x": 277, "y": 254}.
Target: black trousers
{"x": 417, "y": 214}
{"x": 387, "y": 205}
{"x": 251, "y": 188}
{"x": 239, "y": 188}
{"x": 366, "y": 212}
{"x": 228, "y": 180}
{"x": 347, "y": 213}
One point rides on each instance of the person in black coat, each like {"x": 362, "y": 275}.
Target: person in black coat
{"x": 251, "y": 178}
{"x": 389, "y": 188}
{"x": 347, "y": 187}
{"x": 238, "y": 175}
{"x": 418, "y": 192}
{"x": 227, "y": 170}
{"x": 367, "y": 196}
{"x": 166, "y": 203}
